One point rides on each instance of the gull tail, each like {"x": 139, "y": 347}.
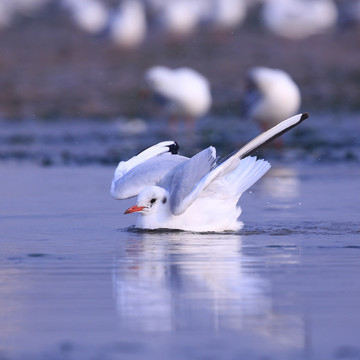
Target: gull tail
{"x": 271, "y": 134}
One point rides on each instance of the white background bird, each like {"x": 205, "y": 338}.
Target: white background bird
{"x": 89, "y": 15}
{"x": 183, "y": 93}
{"x": 226, "y": 14}
{"x": 179, "y": 18}
{"x": 195, "y": 194}
{"x": 296, "y": 19}
{"x": 271, "y": 96}
{"x": 128, "y": 24}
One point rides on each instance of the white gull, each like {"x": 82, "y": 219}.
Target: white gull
{"x": 128, "y": 24}
{"x": 182, "y": 93}
{"x": 200, "y": 193}
{"x": 89, "y": 15}
{"x": 298, "y": 19}
{"x": 271, "y": 96}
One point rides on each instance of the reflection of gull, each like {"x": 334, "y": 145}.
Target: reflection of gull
{"x": 197, "y": 194}
{"x": 299, "y": 18}
{"x": 182, "y": 93}
{"x": 169, "y": 281}
{"x": 282, "y": 183}
{"x": 148, "y": 281}
{"x": 271, "y": 96}
{"x": 12, "y": 301}
{"x": 128, "y": 25}
{"x": 142, "y": 295}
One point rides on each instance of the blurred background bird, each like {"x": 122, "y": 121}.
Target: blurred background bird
{"x": 90, "y": 16}
{"x": 128, "y": 24}
{"x": 182, "y": 94}
{"x": 178, "y": 19}
{"x": 225, "y": 15}
{"x": 296, "y": 19}
{"x": 271, "y": 96}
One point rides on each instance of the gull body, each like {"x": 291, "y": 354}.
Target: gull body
{"x": 200, "y": 193}
{"x": 271, "y": 96}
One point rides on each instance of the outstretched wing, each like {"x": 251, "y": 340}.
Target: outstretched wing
{"x": 185, "y": 177}
{"x": 230, "y": 163}
{"x": 145, "y": 169}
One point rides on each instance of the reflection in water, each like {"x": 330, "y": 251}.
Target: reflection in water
{"x": 281, "y": 183}
{"x": 176, "y": 280}
{"x": 11, "y": 284}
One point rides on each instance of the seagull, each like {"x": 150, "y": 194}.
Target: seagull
{"x": 298, "y": 19}
{"x": 271, "y": 96}
{"x": 179, "y": 18}
{"x": 226, "y": 15}
{"x": 90, "y": 16}
{"x": 198, "y": 194}
{"x": 128, "y": 24}
{"x": 182, "y": 93}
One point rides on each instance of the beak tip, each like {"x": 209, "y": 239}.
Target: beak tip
{"x": 132, "y": 209}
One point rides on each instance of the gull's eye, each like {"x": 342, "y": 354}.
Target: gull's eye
{"x": 152, "y": 200}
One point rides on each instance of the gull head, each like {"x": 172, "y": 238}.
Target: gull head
{"x": 150, "y": 201}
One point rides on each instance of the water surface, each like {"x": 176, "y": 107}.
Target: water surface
{"x": 78, "y": 282}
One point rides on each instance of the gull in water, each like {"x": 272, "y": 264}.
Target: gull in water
{"x": 200, "y": 193}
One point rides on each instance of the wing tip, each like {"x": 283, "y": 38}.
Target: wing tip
{"x": 303, "y": 117}
{"x": 174, "y": 148}
{"x": 272, "y": 134}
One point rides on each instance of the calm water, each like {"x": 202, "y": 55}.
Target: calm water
{"x": 77, "y": 283}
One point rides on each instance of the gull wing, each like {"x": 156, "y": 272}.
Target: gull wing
{"x": 230, "y": 163}
{"x": 145, "y": 169}
{"x": 185, "y": 177}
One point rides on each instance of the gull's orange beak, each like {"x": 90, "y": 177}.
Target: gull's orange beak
{"x": 134, "y": 209}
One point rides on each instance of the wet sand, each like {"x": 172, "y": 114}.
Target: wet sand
{"x": 77, "y": 282}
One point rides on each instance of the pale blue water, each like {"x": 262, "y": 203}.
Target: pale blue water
{"x": 77, "y": 283}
